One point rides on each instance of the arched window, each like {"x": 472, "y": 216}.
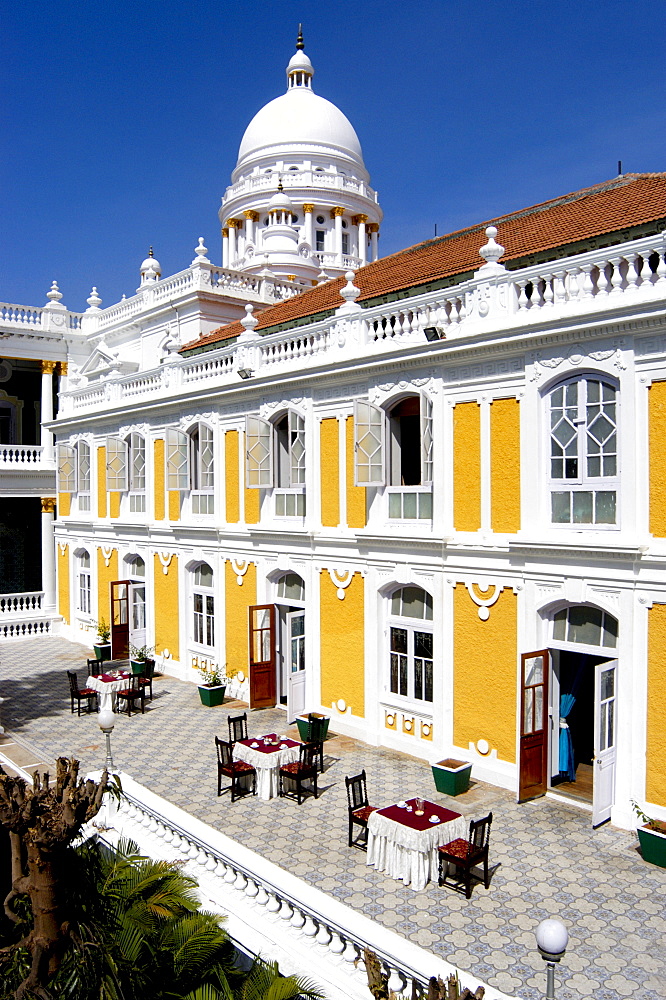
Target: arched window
{"x": 136, "y": 445}
{"x": 83, "y": 590}
{"x": 191, "y": 465}
{"x": 291, "y": 588}
{"x": 585, "y": 625}
{"x": 276, "y": 455}
{"x": 583, "y": 425}
{"x": 203, "y": 606}
{"x": 83, "y": 474}
{"x": 410, "y": 649}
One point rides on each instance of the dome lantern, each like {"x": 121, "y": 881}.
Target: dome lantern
{"x": 300, "y": 70}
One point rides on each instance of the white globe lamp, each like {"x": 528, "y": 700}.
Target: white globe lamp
{"x": 552, "y": 938}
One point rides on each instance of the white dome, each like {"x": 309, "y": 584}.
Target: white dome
{"x": 303, "y": 117}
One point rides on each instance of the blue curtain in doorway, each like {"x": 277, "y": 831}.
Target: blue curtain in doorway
{"x": 567, "y": 769}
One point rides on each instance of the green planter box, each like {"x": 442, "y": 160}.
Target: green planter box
{"x": 653, "y": 846}
{"x": 212, "y": 696}
{"x": 302, "y": 723}
{"x": 138, "y": 666}
{"x": 102, "y": 651}
{"x": 451, "y": 776}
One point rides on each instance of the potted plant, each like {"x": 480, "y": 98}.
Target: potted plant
{"x": 212, "y": 688}
{"x": 103, "y": 645}
{"x": 138, "y": 657}
{"x": 302, "y": 723}
{"x": 452, "y": 776}
{"x": 652, "y": 837}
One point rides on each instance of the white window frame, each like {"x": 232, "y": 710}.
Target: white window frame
{"x": 201, "y": 442}
{"x": 116, "y": 465}
{"x": 67, "y": 469}
{"x": 582, "y": 483}
{"x": 137, "y": 471}
{"x": 177, "y": 460}
{"x": 411, "y": 626}
{"x": 277, "y": 464}
{"x": 83, "y": 474}
{"x": 203, "y": 617}
{"x": 83, "y": 584}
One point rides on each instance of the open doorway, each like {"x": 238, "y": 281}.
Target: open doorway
{"x": 572, "y": 756}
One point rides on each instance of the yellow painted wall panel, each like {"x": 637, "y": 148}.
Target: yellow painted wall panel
{"x": 330, "y": 472}
{"x": 355, "y": 494}
{"x": 657, "y": 437}
{"x": 484, "y": 673}
{"x": 64, "y": 504}
{"x": 114, "y": 504}
{"x": 232, "y": 486}
{"x": 174, "y": 505}
{"x": 237, "y": 601}
{"x": 158, "y": 479}
{"x": 505, "y": 464}
{"x": 64, "y": 605}
{"x": 252, "y": 498}
{"x": 167, "y": 633}
{"x": 101, "y": 481}
{"x": 655, "y": 750}
{"x": 467, "y": 467}
{"x": 342, "y": 644}
{"x": 105, "y": 575}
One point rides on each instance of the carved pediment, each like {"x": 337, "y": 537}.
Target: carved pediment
{"x": 104, "y": 361}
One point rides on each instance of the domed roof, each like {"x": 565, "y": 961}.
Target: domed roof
{"x": 299, "y": 117}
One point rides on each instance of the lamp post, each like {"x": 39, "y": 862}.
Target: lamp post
{"x": 106, "y": 724}
{"x": 551, "y": 938}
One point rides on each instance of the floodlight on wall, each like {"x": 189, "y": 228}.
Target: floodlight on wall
{"x": 245, "y": 373}
{"x": 433, "y": 333}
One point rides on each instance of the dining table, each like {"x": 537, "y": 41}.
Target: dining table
{"x": 267, "y": 754}
{"x": 403, "y": 842}
{"x": 107, "y": 685}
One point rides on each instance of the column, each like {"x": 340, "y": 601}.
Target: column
{"x": 309, "y": 232}
{"x": 251, "y": 217}
{"x": 62, "y": 376}
{"x": 225, "y": 247}
{"x": 46, "y": 411}
{"x": 360, "y": 221}
{"x": 232, "y": 224}
{"x": 48, "y": 554}
{"x": 373, "y": 229}
{"x": 337, "y": 213}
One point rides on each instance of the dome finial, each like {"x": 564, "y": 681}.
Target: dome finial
{"x": 300, "y": 44}
{"x": 280, "y": 187}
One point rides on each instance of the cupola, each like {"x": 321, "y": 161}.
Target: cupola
{"x": 300, "y": 70}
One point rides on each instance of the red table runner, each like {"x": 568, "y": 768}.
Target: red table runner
{"x": 401, "y": 815}
{"x": 109, "y": 678}
{"x": 271, "y": 746}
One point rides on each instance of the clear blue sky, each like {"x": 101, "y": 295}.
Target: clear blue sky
{"x": 122, "y": 120}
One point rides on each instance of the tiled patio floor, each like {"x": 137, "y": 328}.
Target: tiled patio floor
{"x": 547, "y": 861}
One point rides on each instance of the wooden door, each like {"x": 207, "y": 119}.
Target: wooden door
{"x": 120, "y": 619}
{"x": 603, "y": 788}
{"x": 533, "y": 766}
{"x": 262, "y": 656}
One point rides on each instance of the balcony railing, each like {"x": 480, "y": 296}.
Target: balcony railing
{"x": 270, "y": 910}
{"x": 31, "y": 456}
{"x": 507, "y": 304}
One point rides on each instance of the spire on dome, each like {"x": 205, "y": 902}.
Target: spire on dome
{"x": 300, "y": 70}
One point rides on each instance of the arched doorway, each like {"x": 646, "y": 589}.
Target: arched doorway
{"x": 568, "y": 710}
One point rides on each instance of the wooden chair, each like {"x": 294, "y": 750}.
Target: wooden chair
{"x": 94, "y": 667}
{"x": 467, "y": 854}
{"x": 237, "y": 770}
{"x": 303, "y": 769}
{"x": 315, "y": 734}
{"x": 358, "y": 807}
{"x": 237, "y": 727}
{"x": 80, "y": 694}
{"x": 135, "y": 691}
{"x": 146, "y": 677}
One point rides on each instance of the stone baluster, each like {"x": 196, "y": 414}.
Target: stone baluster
{"x": 559, "y": 288}
{"x": 616, "y": 275}
{"x": 323, "y": 936}
{"x": 397, "y": 981}
{"x": 588, "y": 284}
{"x": 603, "y": 282}
{"x": 273, "y": 904}
{"x": 297, "y": 919}
{"x": 661, "y": 270}
{"x": 572, "y": 283}
{"x": 309, "y": 927}
{"x": 522, "y": 295}
{"x": 336, "y": 945}
{"x": 240, "y": 881}
{"x": 548, "y": 295}
{"x": 632, "y": 271}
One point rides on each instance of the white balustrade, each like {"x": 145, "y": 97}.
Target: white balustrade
{"x": 16, "y": 605}
{"x": 267, "y": 909}
{"x": 18, "y": 455}
{"x": 20, "y": 316}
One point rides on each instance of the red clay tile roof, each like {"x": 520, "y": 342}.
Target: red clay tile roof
{"x": 620, "y": 204}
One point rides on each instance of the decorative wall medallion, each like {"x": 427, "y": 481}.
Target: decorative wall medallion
{"x": 165, "y": 558}
{"x": 63, "y": 547}
{"x": 341, "y": 580}
{"x": 240, "y": 568}
{"x": 107, "y": 552}
{"x": 484, "y": 596}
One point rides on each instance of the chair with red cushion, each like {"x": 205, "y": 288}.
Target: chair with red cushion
{"x": 81, "y": 694}
{"x": 467, "y": 854}
{"x": 135, "y": 691}
{"x": 237, "y": 770}
{"x": 303, "y": 769}
{"x": 358, "y": 807}
{"x": 146, "y": 677}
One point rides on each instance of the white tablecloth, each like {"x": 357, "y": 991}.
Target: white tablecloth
{"x": 408, "y": 854}
{"x": 107, "y": 690}
{"x": 267, "y": 764}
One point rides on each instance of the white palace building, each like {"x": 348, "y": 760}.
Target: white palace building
{"x": 424, "y": 494}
